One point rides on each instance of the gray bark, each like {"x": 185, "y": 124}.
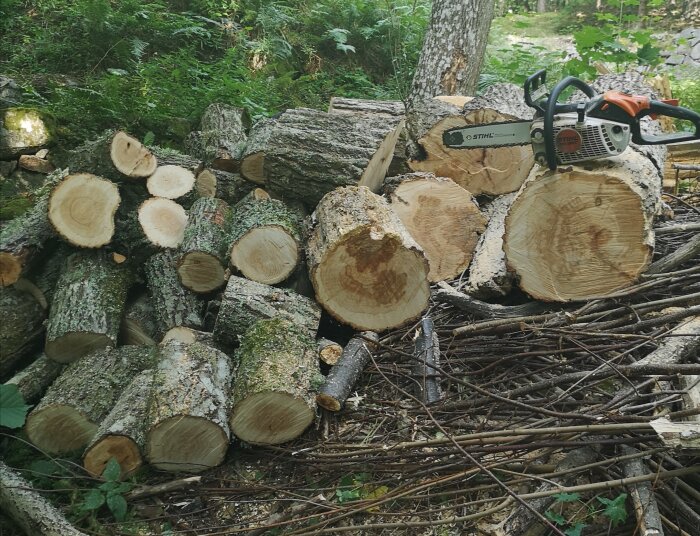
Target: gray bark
{"x": 21, "y": 327}
{"x": 139, "y": 325}
{"x": 36, "y": 378}
{"x": 221, "y": 138}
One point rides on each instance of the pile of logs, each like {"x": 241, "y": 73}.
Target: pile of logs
{"x": 175, "y": 300}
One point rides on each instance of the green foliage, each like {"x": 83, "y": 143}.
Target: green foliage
{"x": 573, "y": 525}
{"x": 615, "y": 509}
{"x": 110, "y": 492}
{"x": 13, "y": 409}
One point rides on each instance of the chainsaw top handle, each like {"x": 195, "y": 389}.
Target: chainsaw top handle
{"x": 553, "y": 108}
{"x": 659, "y": 108}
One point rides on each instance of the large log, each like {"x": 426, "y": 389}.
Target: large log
{"x": 21, "y": 328}
{"x": 122, "y": 433}
{"x": 221, "y": 136}
{"x": 491, "y": 171}
{"x": 272, "y": 395}
{"x": 174, "y": 305}
{"x": 87, "y": 308}
{"x": 310, "y": 153}
{"x": 82, "y": 396}
{"x": 442, "y": 217}
{"x": 188, "y": 416}
{"x": 204, "y": 247}
{"x": 244, "y": 302}
{"x": 583, "y": 232}
{"x": 366, "y": 269}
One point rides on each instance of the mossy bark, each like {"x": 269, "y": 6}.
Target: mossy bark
{"x": 230, "y": 187}
{"x": 87, "y": 308}
{"x": 188, "y": 416}
{"x": 273, "y": 393}
{"x": 82, "y": 396}
{"x": 174, "y": 305}
{"x": 222, "y": 137}
{"x": 244, "y": 302}
{"x": 21, "y": 328}
{"x": 33, "y": 380}
{"x": 253, "y": 157}
{"x": 139, "y": 325}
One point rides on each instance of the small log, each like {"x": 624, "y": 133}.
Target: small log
{"x": 272, "y": 394}
{"x": 21, "y": 328}
{"x": 163, "y": 221}
{"x": 44, "y": 276}
{"x": 329, "y": 351}
{"x": 442, "y": 217}
{"x": 171, "y": 182}
{"x": 427, "y": 362}
{"x": 82, "y": 208}
{"x": 173, "y": 304}
{"x": 22, "y": 238}
{"x": 204, "y": 248}
{"x": 75, "y": 404}
{"x": 87, "y": 307}
{"x": 310, "y": 153}
{"x": 230, "y": 187}
{"x": 222, "y": 136}
{"x": 122, "y": 434}
{"x": 366, "y": 269}
{"x": 244, "y": 302}
{"x": 34, "y": 514}
{"x": 345, "y": 373}
{"x": 33, "y": 380}
{"x": 681, "y": 342}
{"x": 253, "y": 157}
{"x": 188, "y": 425}
{"x": 266, "y": 239}
{"x": 645, "y": 507}
{"x": 683, "y": 254}
{"x": 36, "y": 164}
{"x": 139, "y": 325}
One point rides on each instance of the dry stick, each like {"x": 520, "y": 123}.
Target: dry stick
{"x": 682, "y": 254}
{"x": 675, "y": 527}
{"x": 482, "y": 309}
{"x": 164, "y": 487}
{"x": 427, "y": 352}
{"x": 645, "y": 507}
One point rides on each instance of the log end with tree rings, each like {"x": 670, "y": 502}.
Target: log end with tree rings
{"x": 170, "y": 182}
{"x": 252, "y": 167}
{"x": 71, "y": 346}
{"x": 59, "y": 428}
{"x": 131, "y": 157}
{"x": 10, "y": 268}
{"x": 579, "y": 234}
{"x": 82, "y": 208}
{"x": 163, "y": 221}
{"x": 201, "y": 272}
{"x": 266, "y": 254}
{"x": 121, "y": 448}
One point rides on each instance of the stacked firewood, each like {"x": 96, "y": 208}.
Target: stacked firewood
{"x": 174, "y": 289}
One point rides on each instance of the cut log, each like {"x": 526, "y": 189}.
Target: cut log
{"x": 87, "y": 307}
{"x": 190, "y": 336}
{"x": 173, "y": 304}
{"x": 253, "y": 157}
{"x": 230, "y": 187}
{"x": 23, "y": 237}
{"x": 67, "y": 417}
{"x": 170, "y": 182}
{"x": 329, "y": 351}
{"x": 34, "y": 514}
{"x": 488, "y": 273}
{"x": 583, "y": 232}
{"x": 188, "y": 417}
{"x": 204, "y": 248}
{"x": 33, "y": 381}
{"x": 442, "y": 217}
{"x": 130, "y": 157}
{"x": 491, "y": 171}
{"x": 139, "y": 325}
{"x": 272, "y": 394}
{"x": 427, "y": 362}
{"x": 82, "y": 208}
{"x": 36, "y": 164}
{"x": 163, "y": 221}
{"x": 366, "y": 269}
{"x": 122, "y": 434}
{"x": 222, "y": 136}
{"x": 245, "y": 302}
{"x": 266, "y": 240}
{"x": 310, "y": 153}
{"x": 345, "y": 373}
{"x": 21, "y": 328}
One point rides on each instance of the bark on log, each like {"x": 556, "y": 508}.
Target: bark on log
{"x": 310, "y": 153}
{"x": 441, "y": 217}
{"x": 174, "y": 305}
{"x": 34, "y": 514}
{"x": 33, "y": 380}
{"x": 190, "y": 336}
{"x": 427, "y": 361}
{"x": 122, "y": 434}
{"x": 139, "y": 325}
{"x": 82, "y": 208}
{"x": 77, "y": 402}
{"x": 366, "y": 269}
{"x": 272, "y": 394}
{"x": 21, "y": 328}
{"x": 87, "y": 308}
{"x": 266, "y": 240}
{"x": 345, "y": 373}
{"x": 245, "y": 302}
{"x": 203, "y": 252}
{"x": 253, "y": 157}
{"x": 645, "y": 507}
{"x": 229, "y": 187}
{"x": 491, "y": 171}
{"x": 163, "y": 221}
{"x": 23, "y": 237}
{"x": 222, "y": 136}
{"x": 329, "y": 351}
{"x": 480, "y": 309}
{"x": 580, "y": 232}
{"x": 684, "y": 339}
{"x": 188, "y": 416}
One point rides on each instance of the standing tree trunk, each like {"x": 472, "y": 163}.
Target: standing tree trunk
{"x": 453, "y": 50}
{"x": 542, "y": 6}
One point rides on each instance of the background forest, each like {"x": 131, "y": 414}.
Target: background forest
{"x": 152, "y": 67}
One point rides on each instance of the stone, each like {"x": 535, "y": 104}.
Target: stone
{"x": 675, "y": 59}
{"x": 10, "y": 92}
{"x": 22, "y": 131}
{"x": 695, "y": 51}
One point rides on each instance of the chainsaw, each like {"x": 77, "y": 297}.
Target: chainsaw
{"x": 564, "y": 133}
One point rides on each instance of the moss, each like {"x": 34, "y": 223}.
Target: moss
{"x": 27, "y": 125}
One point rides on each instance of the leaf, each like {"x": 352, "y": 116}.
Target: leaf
{"x": 347, "y": 495}
{"x": 589, "y": 36}
{"x": 149, "y": 138}
{"x": 567, "y": 497}
{"x": 45, "y": 467}
{"x": 615, "y": 509}
{"x": 117, "y": 505}
{"x": 555, "y": 518}
{"x": 112, "y": 470}
{"x": 93, "y": 500}
{"x": 576, "y": 530}
{"x": 13, "y": 410}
